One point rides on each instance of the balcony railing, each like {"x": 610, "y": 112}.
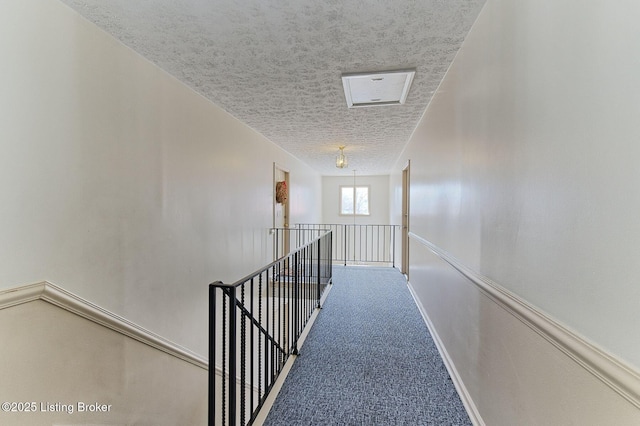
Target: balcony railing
{"x": 359, "y": 244}
{"x": 255, "y": 324}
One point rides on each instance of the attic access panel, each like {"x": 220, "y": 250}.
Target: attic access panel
{"x": 378, "y": 88}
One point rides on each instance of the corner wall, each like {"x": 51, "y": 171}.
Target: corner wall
{"x": 523, "y": 205}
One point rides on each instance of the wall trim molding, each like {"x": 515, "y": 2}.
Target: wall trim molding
{"x": 465, "y": 396}
{"x": 615, "y": 373}
{"x": 61, "y": 298}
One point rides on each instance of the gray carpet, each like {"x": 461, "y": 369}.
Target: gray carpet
{"x": 368, "y": 360}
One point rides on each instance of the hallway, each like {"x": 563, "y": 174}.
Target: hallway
{"x": 125, "y": 190}
{"x": 368, "y": 360}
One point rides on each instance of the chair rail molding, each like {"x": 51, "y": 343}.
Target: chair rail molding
{"x": 616, "y": 374}
{"x": 61, "y": 298}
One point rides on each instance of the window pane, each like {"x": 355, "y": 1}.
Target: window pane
{"x": 362, "y": 200}
{"x": 346, "y": 200}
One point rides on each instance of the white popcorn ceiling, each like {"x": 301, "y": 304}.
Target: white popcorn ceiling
{"x": 276, "y": 65}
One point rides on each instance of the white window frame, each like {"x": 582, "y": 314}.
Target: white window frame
{"x": 353, "y": 188}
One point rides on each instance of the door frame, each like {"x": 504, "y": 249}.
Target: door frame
{"x": 285, "y": 210}
{"x": 405, "y": 218}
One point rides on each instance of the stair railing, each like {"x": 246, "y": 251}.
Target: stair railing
{"x": 255, "y": 325}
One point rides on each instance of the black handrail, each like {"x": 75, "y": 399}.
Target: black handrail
{"x": 283, "y": 296}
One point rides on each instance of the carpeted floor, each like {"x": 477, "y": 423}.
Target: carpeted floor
{"x": 368, "y": 360}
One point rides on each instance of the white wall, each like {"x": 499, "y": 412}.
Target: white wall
{"x": 378, "y": 199}
{"x": 120, "y": 184}
{"x": 51, "y": 356}
{"x": 524, "y": 173}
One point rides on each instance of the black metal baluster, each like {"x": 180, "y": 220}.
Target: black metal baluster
{"x": 285, "y": 315}
{"x": 232, "y": 355}
{"x": 260, "y": 337}
{"x": 309, "y": 267}
{"x": 224, "y": 358}
{"x": 319, "y": 270}
{"x": 212, "y": 356}
{"x": 243, "y": 355}
{"x": 273, "y": 326}
{"x": 267, "y": 342}
{"x": 302, "y": 277}
{"x": 251, "y": 351}
{"x": 282, "y": 326}
{"x": 304, "y": 289}
{"x": 276, "y": 328}
{"x": 382, "y": 256}
{"x": 276, "y": 331}
{"x": 346, "y": 237}
{"x": 384, "y": 230}
{"x": 295, "y": 303}
{"x": 300, "y": 270}
{"x": 366, "y": 236}
{"x": 330, "y": 258}
{"x": 394, "y": 247}
{"x": 289, "y": 307}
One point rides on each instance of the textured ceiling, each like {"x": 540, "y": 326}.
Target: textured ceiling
{"x": 276, "y": 64}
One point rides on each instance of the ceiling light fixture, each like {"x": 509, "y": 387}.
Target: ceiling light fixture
{"x": 341, "y": 160}
{"x": 377, "y": 88}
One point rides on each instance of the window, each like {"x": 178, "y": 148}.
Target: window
{"x": 358, "y": 193}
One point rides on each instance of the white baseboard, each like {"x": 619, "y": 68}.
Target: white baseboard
{"x": 70, "y": 302}
{"x": 616, "y": 374}
{"x": 467, "y": 401}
